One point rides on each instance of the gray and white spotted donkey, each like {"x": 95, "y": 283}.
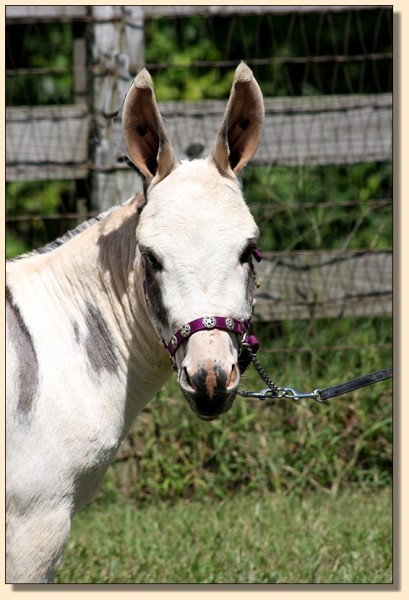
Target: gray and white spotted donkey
{"x": 93, "y": 317}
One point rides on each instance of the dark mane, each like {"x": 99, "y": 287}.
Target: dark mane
{"x": 73, "y": 232}
{"x": 67, "y": 236}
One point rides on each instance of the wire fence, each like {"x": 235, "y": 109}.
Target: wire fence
{"x": 320, "y": 183}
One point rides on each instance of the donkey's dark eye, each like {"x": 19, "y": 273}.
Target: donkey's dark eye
{"x": 247, "y": 254}
{"x": 152, "y": 262}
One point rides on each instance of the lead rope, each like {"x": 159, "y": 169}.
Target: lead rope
{"x": 321, "y": 396}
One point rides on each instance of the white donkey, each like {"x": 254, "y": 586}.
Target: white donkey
{"x": 93, "y": 317}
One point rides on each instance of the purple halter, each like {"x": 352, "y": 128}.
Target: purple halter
{"x": 222, "y": 323}
{"x": 205, "y": 323}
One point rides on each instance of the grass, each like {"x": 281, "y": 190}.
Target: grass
{"x": 248, "y": 538}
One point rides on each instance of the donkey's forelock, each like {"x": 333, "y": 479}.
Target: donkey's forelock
{"x": 195, "y": 202}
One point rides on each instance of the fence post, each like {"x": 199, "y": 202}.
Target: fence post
{"x": 118, "y": 50}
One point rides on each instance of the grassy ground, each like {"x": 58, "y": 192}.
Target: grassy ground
{"x": 274, "y": 538}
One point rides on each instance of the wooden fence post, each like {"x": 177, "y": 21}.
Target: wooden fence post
{"x": 117, "y": 52}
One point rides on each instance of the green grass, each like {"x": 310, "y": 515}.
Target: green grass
{"x": 247, "y": 538}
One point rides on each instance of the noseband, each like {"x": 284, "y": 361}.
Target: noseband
{"x": 240, "y": 328}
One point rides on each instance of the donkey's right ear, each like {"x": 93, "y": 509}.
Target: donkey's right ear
{"x": 240, "y": 133}
{"x": 145, "y": 137}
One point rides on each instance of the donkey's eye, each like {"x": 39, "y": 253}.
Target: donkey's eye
{"x": 247, "y": 254}
{"x": 152, "y": 262}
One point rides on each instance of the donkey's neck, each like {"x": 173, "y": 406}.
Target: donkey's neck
{"x": 120, "y": 270}
{"x": 98, "y": 276}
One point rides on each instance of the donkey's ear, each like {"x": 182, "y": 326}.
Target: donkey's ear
{"x": 240, "y": 133}
{"x": 145, "y": 137}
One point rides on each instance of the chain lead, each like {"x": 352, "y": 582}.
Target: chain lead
{"x": 273, "y": 391}
{"x": 269, "y": 382}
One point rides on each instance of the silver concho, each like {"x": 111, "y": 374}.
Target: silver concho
{"x": 185, "y": 330}
{"x": 209, "y": 322}
{"x": 174, "y": 342}
{"x": 230, "y": 324}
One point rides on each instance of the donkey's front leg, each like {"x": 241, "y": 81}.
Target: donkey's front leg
{"x": 36, "y": 544}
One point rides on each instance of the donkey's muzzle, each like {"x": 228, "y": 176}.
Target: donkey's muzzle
{"x": 210, "y": 390}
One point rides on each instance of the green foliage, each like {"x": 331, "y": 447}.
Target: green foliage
{"x": 246, "y": 538}
{"x": 39, "y": 47}
{"x": 325, "y": 207}
{"x": 167, "y": 41}
{"x": 191, "y": 59}
{"x": 34, "y": 197}
{"x": 15, "y": 245}
{"x": 297, "y": 208}
{"x": 279, "y": 47}
{"x": 171, "y": 454}
{"x": 25, "y": 198}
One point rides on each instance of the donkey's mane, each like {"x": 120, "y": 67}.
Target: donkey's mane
{"x": 60, "y": 241}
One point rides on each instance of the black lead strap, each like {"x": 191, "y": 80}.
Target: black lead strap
{"x": 354, "y": 384}
{"x": 319, "y": 395}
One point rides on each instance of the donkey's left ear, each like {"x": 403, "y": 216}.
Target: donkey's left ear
{"x": 240, "y": 133}
{"x": 145, "y": 137}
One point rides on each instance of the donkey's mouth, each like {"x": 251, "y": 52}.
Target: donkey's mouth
{"x": 209, "y": 411}
{"x": 209, "y": 393}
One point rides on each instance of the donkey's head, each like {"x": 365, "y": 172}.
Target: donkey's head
{"x": 196, "y": 238}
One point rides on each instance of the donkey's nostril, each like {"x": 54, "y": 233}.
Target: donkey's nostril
{"x": 186, "y": 381}
{"x": 234, "y": 378}
{"x": 187, "y": 377}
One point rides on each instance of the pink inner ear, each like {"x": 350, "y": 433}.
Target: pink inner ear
{"x": 145, "y": 138}
{"x": 141, "y": 131}
{"x": 240, "y": 133}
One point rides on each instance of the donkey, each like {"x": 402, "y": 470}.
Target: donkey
{"x": 93, "y": 317}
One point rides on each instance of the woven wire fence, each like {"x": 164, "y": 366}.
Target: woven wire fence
{"x": 319, "y": 186}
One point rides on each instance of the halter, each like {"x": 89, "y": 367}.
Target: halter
{"x": 208, "y": 323}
